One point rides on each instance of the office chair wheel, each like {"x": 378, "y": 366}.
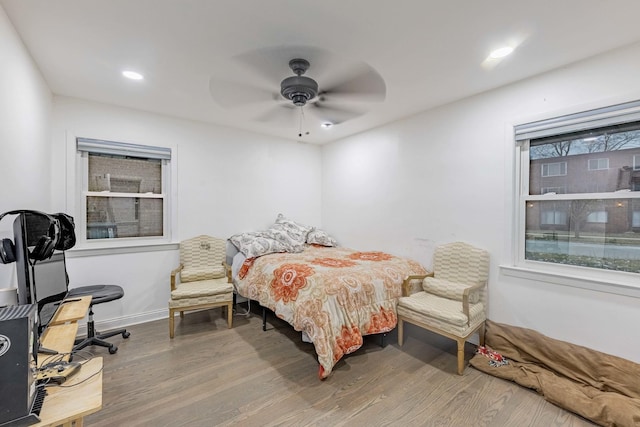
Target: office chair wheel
{"x": 113, "y": 349}
{"x": 126, "y": 334}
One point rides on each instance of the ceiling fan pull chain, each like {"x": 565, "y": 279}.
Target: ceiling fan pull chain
{"x": 300, "y": 123}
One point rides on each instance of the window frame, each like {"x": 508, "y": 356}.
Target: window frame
{"x": 77, "y": 193}
{"x": 610, "y": 281}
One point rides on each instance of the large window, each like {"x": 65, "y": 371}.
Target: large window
{"x": 124, "y": 190}
{"x": 569, "y": 215}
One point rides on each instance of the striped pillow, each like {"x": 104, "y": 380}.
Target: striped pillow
{"x": 446, "y": 289}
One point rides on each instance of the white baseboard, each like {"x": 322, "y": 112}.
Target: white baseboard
{"x": 122, "y": 322}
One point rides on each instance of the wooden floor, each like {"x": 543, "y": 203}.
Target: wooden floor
{"x": 210, "y": 375}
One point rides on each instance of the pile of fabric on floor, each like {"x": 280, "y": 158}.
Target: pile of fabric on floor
{"x": 600, "y": 387}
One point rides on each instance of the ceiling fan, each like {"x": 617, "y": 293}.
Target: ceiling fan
{"x": 339, "y": 90}
{"x": 299, "y": 89}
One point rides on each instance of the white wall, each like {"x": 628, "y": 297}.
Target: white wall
{"x": 440, "y": 176}
{"x": 228, "y": 181}
{"x": 447, "y": 174}
{"x": 25, "y": 135}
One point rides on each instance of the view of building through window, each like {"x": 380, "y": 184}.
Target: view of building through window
{"x": 582, "y": 206}
{"x": 124, "y": 197}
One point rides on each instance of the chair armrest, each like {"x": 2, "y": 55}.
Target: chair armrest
{"x": 407, "y": 282}
{"x": 173, "y": 276}
{"x": 227, "y": 270}
{"x": 465, "y": 298}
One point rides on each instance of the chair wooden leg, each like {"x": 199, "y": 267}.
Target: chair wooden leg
{"x": 481, "y": 335}
{"x": 461, "y": 342}
{"x": 171, "y": 324}
{"x": 400, "y": 332}
{"x": 230, "y": 314}
{"x": 182, "y": 314}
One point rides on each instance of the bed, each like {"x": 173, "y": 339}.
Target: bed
{"x": 332, "y": 294}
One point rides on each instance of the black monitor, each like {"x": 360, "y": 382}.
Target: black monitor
{"x": 50, "y": 282}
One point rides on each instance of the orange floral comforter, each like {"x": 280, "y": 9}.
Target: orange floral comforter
{"x": 335, "y": 295}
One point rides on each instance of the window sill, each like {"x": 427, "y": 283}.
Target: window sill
{"x": 86, "y": 251}
{"x": 626, "y": 285}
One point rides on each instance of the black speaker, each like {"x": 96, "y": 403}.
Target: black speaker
{"x": 19, "y": 398}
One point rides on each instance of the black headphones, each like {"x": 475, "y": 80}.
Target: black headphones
{"x": 44, "y": 247}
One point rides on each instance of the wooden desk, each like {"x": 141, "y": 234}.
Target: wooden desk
{"x": 67, "y": 404}
{"x": 57, "y": 338}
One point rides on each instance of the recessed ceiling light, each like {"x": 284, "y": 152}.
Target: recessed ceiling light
{"x": 132, "y": 75}
{"x": 326, "y": 124}
{"x": 501, "y": 53}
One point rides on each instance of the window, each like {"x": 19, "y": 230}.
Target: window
{"x": 553, "y": 218}
{"x": 597, "y": 217}
{"x": 124, "y": 190}
{"x": 598, "y": 164}
{"x": 568, "y": 217}
{"x": 554, "y": 169}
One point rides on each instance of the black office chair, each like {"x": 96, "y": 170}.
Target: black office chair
{"x": 99, "y": 294}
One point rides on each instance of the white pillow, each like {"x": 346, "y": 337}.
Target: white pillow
{"x": 257, "y": 243}
{"x": 294, "y": 230}
{"x": 320, "y": 237}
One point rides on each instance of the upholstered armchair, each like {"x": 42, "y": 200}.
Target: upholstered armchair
{"x": 200, "y": 282}
{"x": 452, "y": 299}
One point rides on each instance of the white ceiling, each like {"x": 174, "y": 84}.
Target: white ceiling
{"x": 428, "y": 52}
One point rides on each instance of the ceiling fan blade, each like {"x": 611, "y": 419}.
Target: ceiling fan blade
{"x": 272, "y": 64}
{"x": 362, "y": 84}
{"x": 231, "y": 94}
{"x": 334, "y": 115}
{"x": 282, "y": 115}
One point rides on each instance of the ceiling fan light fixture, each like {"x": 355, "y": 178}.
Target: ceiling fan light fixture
{"x": 299, "y": 89}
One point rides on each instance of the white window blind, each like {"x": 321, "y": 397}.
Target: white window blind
{"x": 123, "y": 149}
{"x": 600, "y": 117}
